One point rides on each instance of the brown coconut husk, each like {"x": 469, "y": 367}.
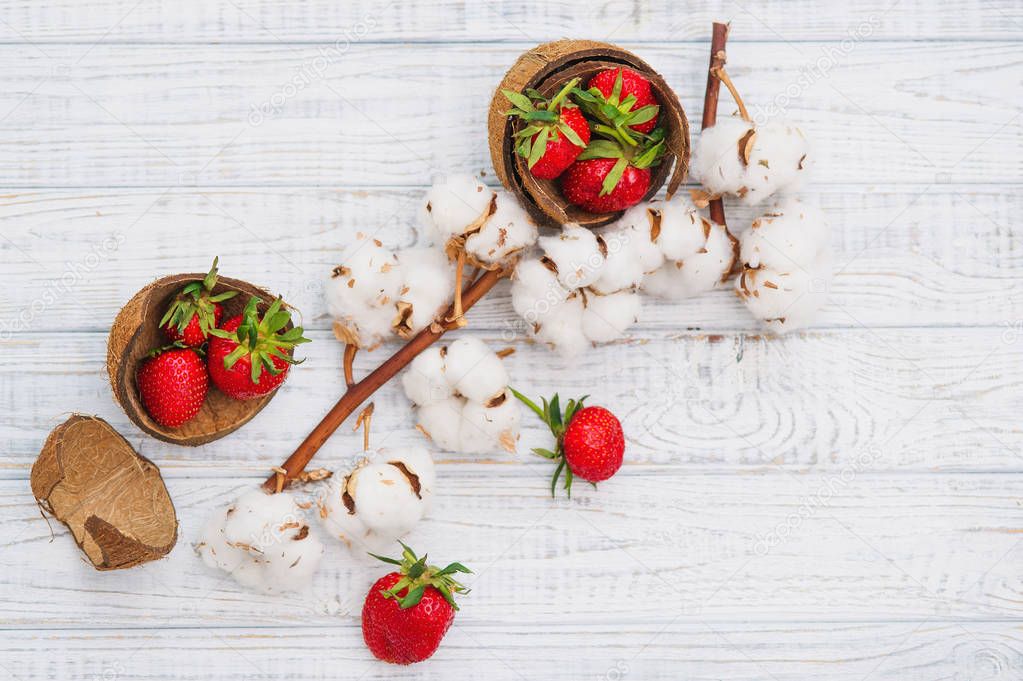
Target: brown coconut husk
{"x": 547, "y": 68}
{"x": 136, "y": 332}
{"x": 112, "y": 499}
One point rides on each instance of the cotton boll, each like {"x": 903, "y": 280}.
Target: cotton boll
{"x": 361, "y": 293}
{"x": 631, "y": 251}
{"x": 474, "y": 370}
{"x": 368, "y": 274}
{"x": 454, "y": 204}
{"x": 381, "y": 499}
{"x": 789, "y": 231}
{"x": 424, "y": 380}
{"x": 385, "y": 499}
{"x": 787, "y": 261}
{"x": 681, "y": 229}
{"x": 441, "y": 421}
{"x": 428, "y": 282}
{"x": 698, "y": 273}
{"x": 716, "y": 160}
{"x": 490, "y": 427}
{"x": 562, "y": 329}
{"x": 535, "y": 290}
{"x": 506, "y": 232}
{"x": 606, "y": 318}
{"x": 263, "y": 541}
{"x": 785, "y": 301}
{"x": 577, "y": 254}
{"x": 366, "y": 327}
{"x": 778, "y": 158}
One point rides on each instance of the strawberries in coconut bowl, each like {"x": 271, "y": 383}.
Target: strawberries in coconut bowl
{"x": 600, "y": 142}
{"x": 245, "y": 356}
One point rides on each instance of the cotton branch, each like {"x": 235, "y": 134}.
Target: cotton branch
{"x": 362, "y": 390}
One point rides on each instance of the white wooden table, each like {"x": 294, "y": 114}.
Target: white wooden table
{"x": 844, "y": 503}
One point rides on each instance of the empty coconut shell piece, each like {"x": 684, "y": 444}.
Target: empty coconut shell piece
{"x": 111, "y": 498}
{"x": 136, "y": 332}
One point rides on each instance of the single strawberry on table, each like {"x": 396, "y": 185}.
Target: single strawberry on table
{"x": 610, "y": 176}
{"x": 407, "y": 612}
{"x": 249, "y": 356}
{"x": 556, "y": 132}
{"x": 195, "y": 311}
{"x": 588, "y": 440}
{"x": 172, "y": 384}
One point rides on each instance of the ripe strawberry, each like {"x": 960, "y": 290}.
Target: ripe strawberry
{"x": 623, "y": 98}
{"x": 583, "y": 184}
{"x": 250, "y": 355}
{"x": 195, "y": 311}
{"x": 173, "y": 384}
{"x": 407, "y": 612}
{"x": 594, "y": 444}
{"x": 588, "y": 439}
{"x": 556, "y": 131}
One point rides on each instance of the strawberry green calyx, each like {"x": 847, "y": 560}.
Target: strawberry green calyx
{"x": 616, "y": 116}
{"x": 263, "y": 338}
{"x": 196, "y": 300}
{"x": 543, "y": 120}
{"x": 416, "y": 575}
{"x": 551, "y": 414}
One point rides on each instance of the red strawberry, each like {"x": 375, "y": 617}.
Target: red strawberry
{"x": 250, "y": 355}
{"x": 629, "y": 93}
{"x": 195, "y": 311}
{"x": 173, "y": 384}
{"x": 583, "y": 185}
{"x": 556, "y": 132}
{"x": 407, "y": 612}
{"x": 594, "y": 444}
{"x": 588, "y": 439}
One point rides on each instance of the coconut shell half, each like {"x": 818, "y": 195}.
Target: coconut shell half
{"x": 111, "y": 498}
{"x": 136, "y": 333}
{"x": 547, "y": 68}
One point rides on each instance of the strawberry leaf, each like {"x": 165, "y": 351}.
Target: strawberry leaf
{"x": 518, "y": 99}
{"x": 601, "y": 149}
{"x": 571, "y": 135}
{"x": 614, "y": 177}
{"x": 539, "y": 148}
{"x": 643, "y": 114}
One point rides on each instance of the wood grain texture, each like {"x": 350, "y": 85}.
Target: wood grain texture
{"x": 656, "y": 543}
{"x": 537, "y": 20}
{"x": 899, "y": 400}
{"x": 685, "y": 649}
{"x": 229, "y": 115}
{"x": 840, "y": 504}
{"x": 907, "y": 256}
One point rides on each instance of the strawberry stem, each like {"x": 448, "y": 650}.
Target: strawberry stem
{"x": 551, "y": 414}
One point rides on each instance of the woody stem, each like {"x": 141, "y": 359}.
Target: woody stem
{"x": 362, "y": 390}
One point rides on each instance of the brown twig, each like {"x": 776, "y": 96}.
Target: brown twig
{"x": 350, "y": 350}
{"x": 362, "y": 390}
{"x": 457, "y": 310}
{"x": 710, "y": 100}
{"x": 362, "y": 421}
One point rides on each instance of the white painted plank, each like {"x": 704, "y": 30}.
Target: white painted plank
{"x": 159, "y": 116}
{"x": 537, "y": 20}
{"x": 916, "y": 256}
{"x": 645, "y": 547}
{"x": 896, "y": 400}
{"x": 686, "y": 649}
